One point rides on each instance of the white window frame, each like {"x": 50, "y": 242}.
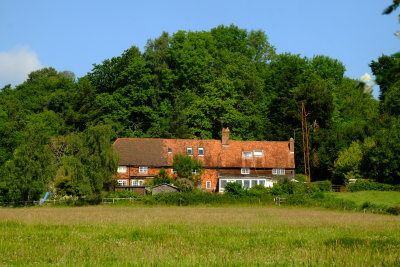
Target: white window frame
{"x": 247, "y": 154}
{"x": 208, "y": 184}
{"x": 122, "y": 182}
{"x": 245, "y": 170}
{"x": 122, "y": 169}
{"x": 195, "y": 172}
{"x": 143, "y": 169}
{"x": 173, "y": 171}
{"x": 258, "y": 153}
{"x": 278, "y": 171}
{"x": 241, "y": 182}
{"x": 202, "y": 151}
{"x": 137, "y": 182}
{"x": 189, "y": 151}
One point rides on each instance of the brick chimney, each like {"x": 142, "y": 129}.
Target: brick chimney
{"x": 225, "y": 136}
{"x": 291, "y": 145}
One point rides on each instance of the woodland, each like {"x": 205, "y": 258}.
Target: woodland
{"x": 57, "y": 129}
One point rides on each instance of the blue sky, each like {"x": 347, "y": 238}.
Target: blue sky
{"x": 73, "y": 35}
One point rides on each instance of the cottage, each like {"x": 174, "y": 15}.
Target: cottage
{"x": 248, "y": 163}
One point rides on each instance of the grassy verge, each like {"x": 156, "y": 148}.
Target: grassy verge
{"x": 200, "y": 236}
{"x": 383, "y": 198}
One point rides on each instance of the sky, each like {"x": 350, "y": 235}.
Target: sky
{"x": 75, "y": 34}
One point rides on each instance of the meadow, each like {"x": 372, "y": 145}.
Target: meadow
{"x": 379, "y": 198}
{"x": 200, "y": 236}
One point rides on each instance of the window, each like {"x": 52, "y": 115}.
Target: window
{"x": 122, "y": 182}
{"x": 222, "y": 184}
{"x": 278, "y": 171}
{"x": 258, "y": 153}
{"x": 247, "y": 154}
{"x": 245, "y": 171}
{"x": 137, "y": 182}
{"x": 173, "y": 171}
{"x": 121, "y": 169}
{"x": 245, "y": 183}
{"x": 195, "y": 172}
{"x": 189, "y": 151}
{"x": 200, "y": 151}
{"x": 208, "y": 185}
{"x": 169, "y": 150}
{"x": 142, "y": 169}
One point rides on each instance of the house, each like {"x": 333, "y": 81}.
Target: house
{"x": 246, "y": 162}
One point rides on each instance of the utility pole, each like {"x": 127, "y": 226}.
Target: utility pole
{"x": 306, "y": 148}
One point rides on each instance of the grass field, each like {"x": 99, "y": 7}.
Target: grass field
{"x": 195, "y": 236}
{"x": 380, "y": 198}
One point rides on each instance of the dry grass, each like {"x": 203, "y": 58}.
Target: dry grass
{"x": 176, "y": 236}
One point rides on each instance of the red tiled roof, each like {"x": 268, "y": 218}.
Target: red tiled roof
{"x": 154, "y": 152}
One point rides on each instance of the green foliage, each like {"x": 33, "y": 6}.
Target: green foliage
{"x": 124, "y": 194}
{"x": 323, "y": 186}
{"x": 187, "y": 167}
{"x": 234, "y": 189}
{"x": 162, "y": 178}
{"x": 185, "y": 184}
{"x": 365, "y": 184}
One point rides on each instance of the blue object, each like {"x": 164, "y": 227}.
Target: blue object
{"x": 44, "y": 198}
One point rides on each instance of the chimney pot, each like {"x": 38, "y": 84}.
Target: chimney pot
{"x": 225, "y": 136}
{"x": 291, "y": 145}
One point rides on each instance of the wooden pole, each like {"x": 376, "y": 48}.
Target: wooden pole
{"x": 306, "y": 147}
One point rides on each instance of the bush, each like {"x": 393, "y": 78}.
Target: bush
{"x": 258, "y": 190}
{"x": 234, "y": 189}
{"x": 365, "y": 184}
{"x": 393, "y": 210}
{"x": 124, "y": 194}
{"x": 324, "y": 186}
{"x": 185, "y": 184}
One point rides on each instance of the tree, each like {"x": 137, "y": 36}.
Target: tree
{"x": 188, "y": 168}
{"x": 162, "y": 178}
{"x": 26, "y": 176}
{"x": 89, "y": 161}
{"x": 390, "y": 9}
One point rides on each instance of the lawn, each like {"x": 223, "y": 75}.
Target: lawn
{"x": 196, "y": 236}
{"x": 380, "y": 198}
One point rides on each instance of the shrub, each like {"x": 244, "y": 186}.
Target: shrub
{"x": 234, "y": 189}
{"x": 324, "y": 186}
{"x": 365, "y": 184}
{"x": 162, "y": 178}
{"x": 124, "y": 194}
{"x": 185, "y": 184}
{"x": 393, "y": 210}
{"x": 258, "y": 190}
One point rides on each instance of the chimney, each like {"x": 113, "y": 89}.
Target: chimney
{"x": 291, "y": 145}
{"x": 225, "y": 136}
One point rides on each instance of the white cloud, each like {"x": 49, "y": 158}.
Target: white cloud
{"x": 16, "y": 64}
{"x": 365, "y": 78}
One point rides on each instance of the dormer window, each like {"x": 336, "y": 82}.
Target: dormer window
{"x": 189, "y": 151}
{"x": 258, "y": 153}
{"x": 245, "y": 170}
{"x": 121, "y": 169}
{"x": 142, "y": 169}
{"x": 200, "y": 151}
{"x": 247, "y": 154}
{"x": 169, "y": 150}
{"x": 278, "y": 171}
